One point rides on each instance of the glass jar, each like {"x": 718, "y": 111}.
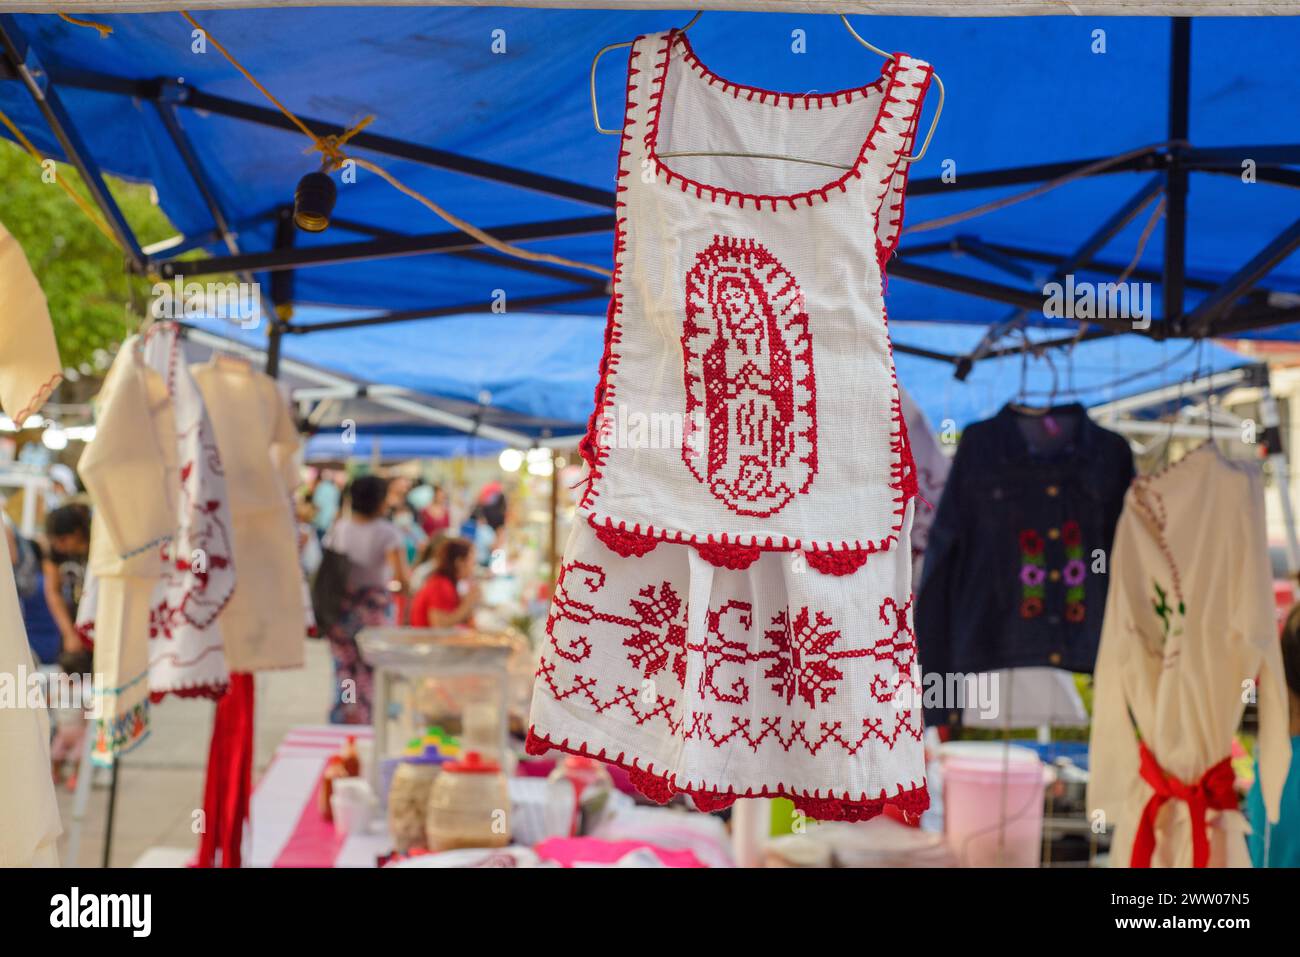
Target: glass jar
{"x": 408, "y": 797}
{"x": 469, "y": 805}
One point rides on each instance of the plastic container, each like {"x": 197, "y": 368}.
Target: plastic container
{"x": 993, "y": 804}
{"x": 353, "y": 803}
{"x": 408, "y": 797}
{"x": 469, "y": 805}
{"x": 577, "y": 792}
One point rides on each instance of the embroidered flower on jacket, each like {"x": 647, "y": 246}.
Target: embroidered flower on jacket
{"x": 1032, "y": 575}
{"x": 1074, "y": 571}
{"x": 1031, "y": 543}
{"x": 1031, "y": 607}
{"x": 1074, "y": 611}
{"x": 1070, "y": 534}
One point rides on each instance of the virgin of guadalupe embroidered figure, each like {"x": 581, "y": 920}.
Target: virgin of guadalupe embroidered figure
{"x": 749, "y": 375}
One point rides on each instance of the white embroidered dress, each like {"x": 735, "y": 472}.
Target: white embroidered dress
{"x": 701, "y": 633}
{"x": 1189, "y": 636}
{"x": 186, "y": 656}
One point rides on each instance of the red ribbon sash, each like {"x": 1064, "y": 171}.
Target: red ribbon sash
{"x": 1213, "y": 791}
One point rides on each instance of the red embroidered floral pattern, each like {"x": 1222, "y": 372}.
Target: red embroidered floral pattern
{"x": 804, "y": 659}
{"x": 749, "y": 377}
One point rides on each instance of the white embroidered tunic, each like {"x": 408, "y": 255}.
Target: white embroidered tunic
{"x": 264, "y": 623}
{"x": 186, "y": 656}
{"x": 733, "y": 615}
{"x": 1188, "y": 638}
{"x": 29, "y": 370}
{"x": 130, "y": 472}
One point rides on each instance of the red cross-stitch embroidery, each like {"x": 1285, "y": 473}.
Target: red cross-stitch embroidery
{"x": 657, "y": 628}
{"x": 661, "y": 633}
{"x": 719, "y": 649}
{"x": 750, "y": 390}
{"x": 898, "y": 648}
{"x": 803, "y": 654}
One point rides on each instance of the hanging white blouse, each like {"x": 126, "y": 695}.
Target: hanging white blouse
{"x": 130, "y": 472}
{"x": 748, "y": 400}
{"x": 29, "y": 370}
{"x": 1189, "y": 637}
{"x": 264, "y": 623}
{"x": 733, "y": 617}
{"x": 932, "y": 468}
{"x": 186, "y": 654}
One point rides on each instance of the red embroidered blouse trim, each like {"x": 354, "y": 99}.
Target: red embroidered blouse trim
{"x": 889, "y": 79}
{"x": 662, "y": 788}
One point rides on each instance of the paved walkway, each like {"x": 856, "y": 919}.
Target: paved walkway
{"x": 160, "y": 784}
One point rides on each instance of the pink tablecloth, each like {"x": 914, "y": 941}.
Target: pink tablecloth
{"x": 287, "y": 827}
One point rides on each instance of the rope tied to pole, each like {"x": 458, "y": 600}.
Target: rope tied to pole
{"x": 331, "y": 149}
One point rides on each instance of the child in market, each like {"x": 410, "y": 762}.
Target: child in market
{"x": 1278, "y": 845}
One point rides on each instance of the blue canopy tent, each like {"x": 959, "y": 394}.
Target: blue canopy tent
{"x": 487, "y": 111}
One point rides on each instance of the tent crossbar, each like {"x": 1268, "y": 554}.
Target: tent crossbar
{"x": 1190, "y": 388}
{"x": 1093, "y": 266}
{"x": 1148, "y": 160}
{"x": 398, "y": 403}
{"x": 521, "y": 303}
{"x": 480, "y": 255}
{"x": 1081, "y": 256}
{"x": 1200, "y": 319}
{"x": 26, "y": 64}
{"x": 383, "y": 248}
{"x": 197, "y": 99}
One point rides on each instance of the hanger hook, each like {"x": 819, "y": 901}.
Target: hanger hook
{"x": 595, "y": 61}
{"x": 938, "y": 110}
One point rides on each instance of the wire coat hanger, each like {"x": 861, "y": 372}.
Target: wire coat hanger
{"x": 925, "y": 145}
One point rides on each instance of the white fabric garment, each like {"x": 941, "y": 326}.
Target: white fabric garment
{"x": 29, "y": 357}
{"x": 734, "y": 619}
{"x": 752, "y": 314}
{"x": 130, "y": 472}
{"x": 722, "y": 682}
{"x": 1029, "y": 698}
{"x": 264, "y": 623}
{"x": 186, "y": 655}
{"x": 29, "y": 370}
{"x": 1189, "y": 630}
{"x": 932, "y": 468}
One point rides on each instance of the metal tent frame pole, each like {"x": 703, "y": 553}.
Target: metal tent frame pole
{"x": 1233, "y": 310}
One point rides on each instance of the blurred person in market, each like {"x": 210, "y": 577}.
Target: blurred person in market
{"x": 440, "y": 602}
{"x": 1278, "y": 845}
{"x": 426, "y": 561}
{"x": 377, "y": 552}
{"x": 42, "y": 633}
{"x": 326, "y": 497}
{"x": 435, "y": 517}
{"x": 63, "y": 566}
{"x": 63, "y": 486}
{"x": 403, "y": 517}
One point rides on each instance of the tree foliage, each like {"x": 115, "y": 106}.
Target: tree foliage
{"x": 94, "y": 303}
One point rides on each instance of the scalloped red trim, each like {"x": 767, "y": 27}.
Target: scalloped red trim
{"x": 627, "y": 544}
{"x": 838, "y": 563}
{"x": 662, "y": 788}
{"x": 39, "y": 399}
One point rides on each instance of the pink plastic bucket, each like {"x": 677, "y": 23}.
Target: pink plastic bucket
{"x": 993, "y": 804}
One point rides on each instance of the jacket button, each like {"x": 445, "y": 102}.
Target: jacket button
{"x": 1054, "y": 657}
{"x": 1053, "y": 533}
{"x": 1053, "y": 491}
{"x": 1054, "y": 575}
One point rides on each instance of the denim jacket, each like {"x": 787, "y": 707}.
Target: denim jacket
{"x": 1015, "y": 571}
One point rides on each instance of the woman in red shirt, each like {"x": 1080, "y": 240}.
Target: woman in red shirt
{"x": 439, "y": 604}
